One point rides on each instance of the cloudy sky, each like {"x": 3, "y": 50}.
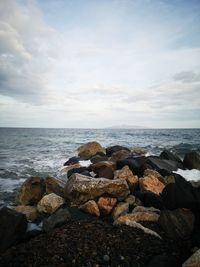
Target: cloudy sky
{"x": 98, "y": 63}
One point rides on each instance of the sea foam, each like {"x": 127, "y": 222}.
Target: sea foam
{"x": 189, "y": 175}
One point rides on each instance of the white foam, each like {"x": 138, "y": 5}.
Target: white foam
{"x": 33, "y": 226}
{"x": 85, "y": 163}
{"x": 189, "y": 175}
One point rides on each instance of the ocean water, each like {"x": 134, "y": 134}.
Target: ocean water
{"x": 25, "y": 152}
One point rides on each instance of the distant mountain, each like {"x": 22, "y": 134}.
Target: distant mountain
{"x": 127, "y": 127}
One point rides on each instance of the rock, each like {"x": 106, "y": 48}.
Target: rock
{"x": 81, "y": 170}
{"x": 193, "y": 261}
{"x": 31, "y": 191}
{"x": 12, "y": 227}
{"x": 50, "y": 203}
{"x": 150, "y": 199}
{"x": 151, "y": 183}
{"x": 192, "y": 160}
{"x": 81, "y": 188}
{"x": 169, "y": 179}
{"x": 177, "y": 223}
{"x": 110, "y": 150}
{"x": 71, "y": 167}
{"x": 54, "y": 185}
{"x": 72, "y": 161}
{"x": 56, "y": 219}
{"x": 119, "y": 155}
{"x": 138, "y": 216}
{"x": 166, "y": 154}
{"x": 106, "y": 258}
{"x": 126, "y": 173}
{"x": 146, "y": 209}
{"x": 134, "y": 163}
{"x": 139, "y": 151}
{"x": 98, "y": 158}
{"x": 130, "y": 200}
{"x": 86, "y": 151}
{"x": 90, "y": 207}
{"x": 150, "y": 172}
{"x": 106, "y": 204}
{"x": 29, "y": 211}
{"x": 104, "y": 169}
{"x": 122, "y": 208}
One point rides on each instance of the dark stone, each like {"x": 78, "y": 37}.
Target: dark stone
{"x": 149, "y": 199}
{"x": 72, "y": 161}
{"x": 164, "y": 261}
{"x": 166, "y": 154}
{"x": 76, "y": 170}
{"x": 135, "y": 164}
{"x": 98, "y": 158}
{"x": 192, "y": 160}
{"x": 106, "y": 172}
{"x": 177, "y": 224}
{"x": 12, "y": 228}
{"x": 110, "y": 150}
{"x": 56, "y": 219}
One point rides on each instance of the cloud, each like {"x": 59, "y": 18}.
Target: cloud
{"x": 187, "y": 77}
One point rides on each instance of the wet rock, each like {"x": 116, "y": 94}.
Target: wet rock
{"x": 98, "y": 158}
{"x": 166, "y": 154}
{"x": 31, "y": 191}
{"x": 12, "y": 227}
{"x": 150, "y": 172}
{"x": 56, "y": 219}
{"x": 150, "y": 199}
{"x": 50, "y": 203}
{"x": 72, "y": 161}
{"x": 90, "y": 207}
{"x": 193, "y": 261}
{"x": 192, "y": 160}
{"x": 81, "y": 188}
{"x": 138, "y": 216}
{"x": 151, "y": 183}
{"x": 106, "y": 204}
{"x": 81, "y": 170}
{"x": 119, "y": 155}
{"x": 86, "y": 151}
{"x": 145, "y": 209}
{"x": 130, "y": 200}
{"x": 126, "y": 173}
{"x": 30, "y": 212}
{"x": 139, "y": 151}
{"x": 122, "y": 208}
{"x": 54, "y": 185}
{"x": 71, "y": 167}
{"x": 177, "y": 223}
{"x": 104, "y": 169}
{"x": 110, "y": 150}
{"x": 134, "y": 163}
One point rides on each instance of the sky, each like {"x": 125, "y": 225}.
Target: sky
{"x": 100, "y": 63}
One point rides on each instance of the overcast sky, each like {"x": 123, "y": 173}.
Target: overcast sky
{"x": 98, "y": 63}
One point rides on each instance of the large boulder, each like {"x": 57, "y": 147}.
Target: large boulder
{"x": 50, "y": 203}
{"x": 81, "y": 170}
{"x": 126, "y": 173}
{"x": 151, "y": 183}
{"x": 30, "y": 212}
{"x": 156, "y": 174}
{"x": 98, "y": 158}
{"x": 58, "y": 218}
{"x": 104, "y": 169}
{"x": 166, "y": 154}
{"x": 106, "y": 204}
{"x": 192, "y": 160}
{"x": 112, "y": 149}
{"x": 80, "y": 188}
{"x": 138, "y": 216}
{"x": 134, "y": 163}
{"x": 119, "y": 155}
{"x": 150, "y": 199}
{"x": 177, "y": 224}
{"x": 193, "y": 261}
{"x": 90, "y": 207}
{"x": 54, "y": 185}
{"x": 13, "y": 227}
{"x": 31, "y": 191}
{"x": 86, "y": 151}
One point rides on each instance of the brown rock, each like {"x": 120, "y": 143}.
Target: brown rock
{"x": 50, "y": 203}
{"x": 98, "y": 158}
{"x": 150, "y": 172}
{"x": 71, "y": 167}
{"x": 104, "y": 169}
{"x": 122, "y": 208}
{"x": 86, "y": 151}
{"x": 139, "y": 151}
{"x": 126, "y": 173}
{"x": 193, "y": 261}
{"x": 119, "y": 155}
{"x": 106, "y": 204}
{"x": 54, "y": 185}
{"x": 177, "y": 223}
{"x": 137, "y": 216}
{"x": 90, "y": 207}
{"x": 146, "y": 209}
{"x": 152, "y": 184}
{"x": 29, "y": 211}
{"x": 31, "y": 191}
{"x": 81, "y": 188}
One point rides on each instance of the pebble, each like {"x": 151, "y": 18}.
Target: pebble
{"x": 106, "y": 258}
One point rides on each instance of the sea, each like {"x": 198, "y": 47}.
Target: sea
{"x": 26, "y": 152}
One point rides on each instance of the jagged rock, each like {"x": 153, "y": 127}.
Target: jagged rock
{"x": 98, "y": 158}
{"x": 130, "y": 200}
{"x": 81, "y": 170}
{"x": 72, "y": 161}
{"x": 31, "y": 191}
{"x": 50, "y": 203}
{"x": 112, "y": 149}
{"x": 126, "y": 173}
{"x": 119, "y": 155}
{"x": 71, "y": 167}
{"x": 192, "y": 160}
{"x": 137, "y": 216}
{"x": 122, "y": 208}
{"x": 90, "y": 207}
{"x": 30, "y": 212}
{"x": 151, "y": 183}
{"x": 54, "y": 185}
{"x": 12, "y": 227}
{"x": 81, "y": 188}
{"x": 139, "y": 151}
{"x": 106, "y": 204}
{"x": 193, "y": 261}
{"x": 86, "y": 151}
{"x": 104, "y": 169}
{"x": 58, "y": 218}
{"x": 150, "y": 172}
{"x": 177, "y": 223}
{"x": 166, "y": 154}
{"x": 146, "y": 209}
{"x": 134, "y": 163}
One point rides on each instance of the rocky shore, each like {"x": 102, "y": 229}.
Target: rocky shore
{"x": 122, "y": 208}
